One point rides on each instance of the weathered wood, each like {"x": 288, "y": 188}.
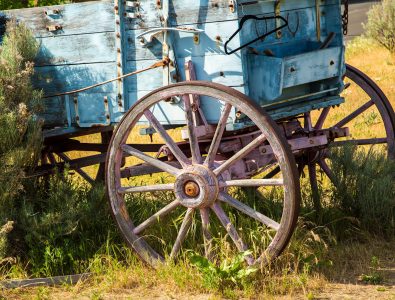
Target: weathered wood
{"x": 239, "y": 155}
{"x": 156, "y": 217}
{"x": 226, "y": 198}
{"x": 50, "y": 281}
{"x": 182, "y": 232}
{"x": 253, "y": 182}
{"x": 151, "y": 160}
{"x": 229, "y": 227}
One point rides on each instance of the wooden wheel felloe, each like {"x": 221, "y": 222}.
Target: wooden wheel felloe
{"x": 194, "y": 193}
{"x": 365, "y": 107}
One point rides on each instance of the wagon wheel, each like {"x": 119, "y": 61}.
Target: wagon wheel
{"x": 375, "y": 120}
{"x": 200, "y": 184}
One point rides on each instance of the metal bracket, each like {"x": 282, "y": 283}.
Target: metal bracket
{"x": 318, "y": 19}
{"x": 232, "y": 6}
{"x": 133, "y": 4}
{"x": 53, "y": 28}
{"x": 132, "y": 15}
{"x": 83, "y": 124}
{"x": 52, "y": 12}
{"x": 277, "y": 12}
{"x": 148, "y": 36}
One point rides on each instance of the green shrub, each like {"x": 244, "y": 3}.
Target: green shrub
{"x": 64, "y": 224}
{"x": 364, "y": 188}
{"x": 12, "y": 4}
{"x": 381, "y": 24}
{"x": 20, "y": 133}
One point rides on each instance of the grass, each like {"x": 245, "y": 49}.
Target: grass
{"x": 337, "y": 250}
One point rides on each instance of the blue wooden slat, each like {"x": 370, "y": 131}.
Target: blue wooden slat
{"x": 57, "y": 79}
{"x": 226, "y": 70}
{"x": 77, "y": 49}
{"x": 78, "y": 18}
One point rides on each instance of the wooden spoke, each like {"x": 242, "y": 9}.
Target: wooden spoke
{"x": 82, "y": 173}
{"x": 205, "y": 215}
{"x": 253, "y": 182}
{"x": 239, "y": 155}
{"x": 218, "y": 136}
{"x": 146, "y": 189}
{"x": 156, "y": 217}
{"x": 223, "y": 218}
{"x": 186, "y": 224}
{"x": 151, "y": 160}
{"x": 272, "y": 173}
{"x": 225, "y": 197}
{"x": 361, "y": 142}
{"x": 314, "y": 186}
{"x": 193, "y": 139}
{"x": 354, "y": 114}
{"x": 166, "y": 137}
{"x": 324, "y": 166}
{"x": 322, "y": 118}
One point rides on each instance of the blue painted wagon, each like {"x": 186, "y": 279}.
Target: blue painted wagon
{"x": 210, "y": 95}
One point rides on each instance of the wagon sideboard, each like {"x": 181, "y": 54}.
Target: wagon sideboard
{"x": 81, "y": 44}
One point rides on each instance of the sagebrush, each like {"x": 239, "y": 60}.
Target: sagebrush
{"x": 381, "y": 24}
{"x": 20, "y": 131}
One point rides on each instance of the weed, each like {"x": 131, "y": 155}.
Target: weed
{"x": 230, "y": 273}
{"x": 374, "y": 276}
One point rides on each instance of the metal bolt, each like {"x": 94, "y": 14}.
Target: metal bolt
{"x": 196, "y": 39}
{"x": 108, "y": 116}
{"x": 77, "y": 118}
{"x": 279, "y": 34}
{"x": 116, "y": 7}
{"x": 118, "y": 35}
{"x": 218, "y": 38}
{"x": 191, "y": 189}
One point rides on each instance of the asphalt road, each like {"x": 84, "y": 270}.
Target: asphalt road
{"x": 358, "y": 15}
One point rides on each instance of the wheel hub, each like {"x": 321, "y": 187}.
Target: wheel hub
{"x": 191, "y": 189}
{"x": 196, "y": 187}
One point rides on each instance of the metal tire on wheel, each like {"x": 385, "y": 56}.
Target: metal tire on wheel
{"x": 376, "y": 103}
{"x": 201, "y": 182}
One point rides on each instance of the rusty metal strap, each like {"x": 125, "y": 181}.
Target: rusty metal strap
{"x": 158, "y": 64}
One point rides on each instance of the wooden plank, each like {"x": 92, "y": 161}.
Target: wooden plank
{"x": 57, "y": 79}
{"x": 77, "y": 49}
{"x": 79, "y": 18}
{"x": 312, "y": 66}
{"x": 211, "y": 42}
{"x": 50, "y": 281}
{"x": 222, "y": 69}
{"x": 182, "y": 12}
{"x": 248, "y": 7}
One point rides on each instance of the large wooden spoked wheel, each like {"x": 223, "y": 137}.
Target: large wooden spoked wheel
{"x": 198, "y": 205}
{"x": 368, "y": 115}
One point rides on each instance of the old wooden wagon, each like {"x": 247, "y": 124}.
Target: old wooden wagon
{"x": 212, "y": 96}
